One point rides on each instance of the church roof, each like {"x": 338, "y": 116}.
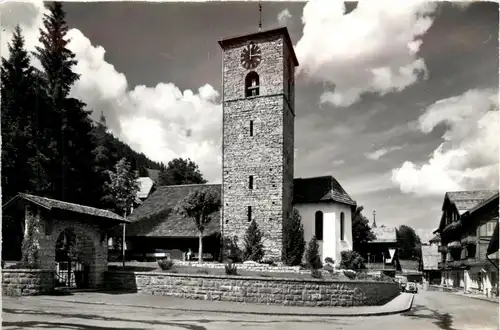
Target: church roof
{"x": 260, "y": 35}
{"x": 320, "y": 189}
{"x": 155, "y": 216}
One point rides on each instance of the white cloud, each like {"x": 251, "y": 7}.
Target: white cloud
{"x": 468, "y": 157}
{"x": 381, "y": 152}
{"x": 284, "y": 17}
{"x": 162, "y": 121}
{"x": 372, "y": 49}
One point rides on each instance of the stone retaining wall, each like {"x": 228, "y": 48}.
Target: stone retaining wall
{"x": 27, "y": 282}
{"x": 292, "y": 292}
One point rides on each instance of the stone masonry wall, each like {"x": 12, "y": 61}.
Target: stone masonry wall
{"x": 51, "y": 225}
{"x": 261, "y": 155}
{"x": 256, "y": 290}
{"x": 27, "y": 282}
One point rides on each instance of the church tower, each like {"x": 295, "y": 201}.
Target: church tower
{"x": 258, "y": 136}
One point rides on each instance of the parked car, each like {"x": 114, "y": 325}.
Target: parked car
{"x": 411, "y": 287}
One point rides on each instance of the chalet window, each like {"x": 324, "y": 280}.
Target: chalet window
{"x": 318, "y": 225}
{"x": 251, "y": 127}
{"x": 250, "y": 182}
{"x": 249, "y": 213}
{"x": 342, "y": 226}
{"x": 252, "y": 84}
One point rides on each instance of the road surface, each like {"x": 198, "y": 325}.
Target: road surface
{"x": 431, "y": 311}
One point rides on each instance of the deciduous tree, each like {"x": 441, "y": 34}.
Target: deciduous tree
{"x": 123, "y": 186}
{"x": 408, "y": 242}
{"x": 199, "y": 205}
{"x": 361, "y": 231}
{"x": 180, "y": 171}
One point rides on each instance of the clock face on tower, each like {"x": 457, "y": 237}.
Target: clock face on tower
{"x": 251, "y": 56}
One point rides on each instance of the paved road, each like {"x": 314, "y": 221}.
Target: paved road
{"x": 432, "y": 311}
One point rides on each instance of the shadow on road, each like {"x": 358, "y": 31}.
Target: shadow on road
{"x": 443, "y": 320}
{"x": 57, "y": 325}
{"x": 70, "y": 292}
{"x": 92, "y": 317}
{"x": 192, "y": 325}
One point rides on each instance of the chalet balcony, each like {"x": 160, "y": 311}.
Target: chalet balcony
{"x": 453, "y": 265}
{"x": 379, "y": 266}
{"x": 453, "y": 226}
{"x": 468, "y": 240}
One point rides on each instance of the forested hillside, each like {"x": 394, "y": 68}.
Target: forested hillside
{"x": 50, "y": 145}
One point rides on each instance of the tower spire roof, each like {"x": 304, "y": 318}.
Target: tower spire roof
{"x": 260, "y": 16}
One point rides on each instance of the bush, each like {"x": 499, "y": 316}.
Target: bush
{"x": 165, "y": 264}
{"x": 350, "y": 274}
{"x": 315, "y": 273}
{"x": 293, "y": 240}
{"x": 254, "y": 249}
{"x": 269, "y": 262}
{"x": 29, "y": 248}
{"x": 329, "y": 260}
{"x": 313, "y": 261}
{"x": 232, "y": 252}
{"x": 351, "y": 260}
{"x": 328, "y": 268}
{"x": 231, "y": 269}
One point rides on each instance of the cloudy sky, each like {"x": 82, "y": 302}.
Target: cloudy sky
{"x": 398, "y": 101}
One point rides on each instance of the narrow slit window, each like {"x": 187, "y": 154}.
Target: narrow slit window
{"x": 249, "y": 213}
{"x": 342, "y": 226}
{"x": 250, "y": 182}
{"x": 318, "y": 225}
{"x": 251, "y": 127}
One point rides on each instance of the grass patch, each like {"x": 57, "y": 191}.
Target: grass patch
{"x": 192, "y": 270}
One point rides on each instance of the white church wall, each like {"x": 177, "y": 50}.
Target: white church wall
{"x": 331, "y": 245}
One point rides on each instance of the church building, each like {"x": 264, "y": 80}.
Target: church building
{"x": 258, "y": 91}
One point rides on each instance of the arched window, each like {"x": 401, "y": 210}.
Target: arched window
{"x": 342, "y": 226}
{"x": 252, "y": 84}
{"x": 318, "y": 225}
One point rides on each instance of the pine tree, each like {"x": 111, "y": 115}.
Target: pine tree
{"x": 18, "y": 98}
{"x": 312, "y": 254}
{"x": 293, "y": 240}
{"x": 68, "y": 125}
{"x": 102, "y": 162}
{"x": 253, "y": 247}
